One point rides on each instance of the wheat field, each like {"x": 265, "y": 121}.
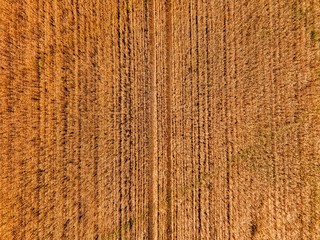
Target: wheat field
{"x": 159, "y": 119}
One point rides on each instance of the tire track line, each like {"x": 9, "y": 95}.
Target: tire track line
{"x": 40, "y": 99}
{"x": 78, "y": 114}
{"x": 96, "y": 110}
{"x": 129, "y": 128}
{"x": 273, "y": 116}
{"x": 298, "y": 108}
{"x": 119, "y": 96}
{"x": 54, "y": 69}
{"x": 208, "y": 111}
{"x": 169, "y": 53}
{"x": 85, "y": 218}
{"x": 127, "y": 122}
{"x": 190, "y": 223}
{"x": 115, "y": 45}
{"x": 225, "y": 63}
{"x": 152, "y": 126}
{"x": 198, "y": 127}
{"x": 65, "y": 126}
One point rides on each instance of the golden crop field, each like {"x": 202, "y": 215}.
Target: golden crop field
{"x": 159, "y": 119}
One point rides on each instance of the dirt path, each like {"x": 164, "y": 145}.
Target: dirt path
{"x": 159, "y": 119}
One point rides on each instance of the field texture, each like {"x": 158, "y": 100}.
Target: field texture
{"x": 159, "y": 119}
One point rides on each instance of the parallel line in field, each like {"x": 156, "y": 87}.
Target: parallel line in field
{"x": 131, "y": 119}
{"x": 273, "y": 127}
{"x": 39, "y": 118}
{"x": 152, "y": 126}
{"x": 226, "y": 85}
{"x": 86, "y": 133}
{"x": 65, "y": 115}
{"x": 198, "y": 127}
{"x": 96, "y": 111}
{"x": 77, "y": 113}
{"x": 207, "y": 111}
{"x": 119, "y": 96}
{"x": 298, "y": 136}
{"x": 234, "y": 114}
{"x": 169, "y": 75}
{"x": 79, "y": 61}
{"x": 55, "y": 124}
{"x": 10, "y": 113}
